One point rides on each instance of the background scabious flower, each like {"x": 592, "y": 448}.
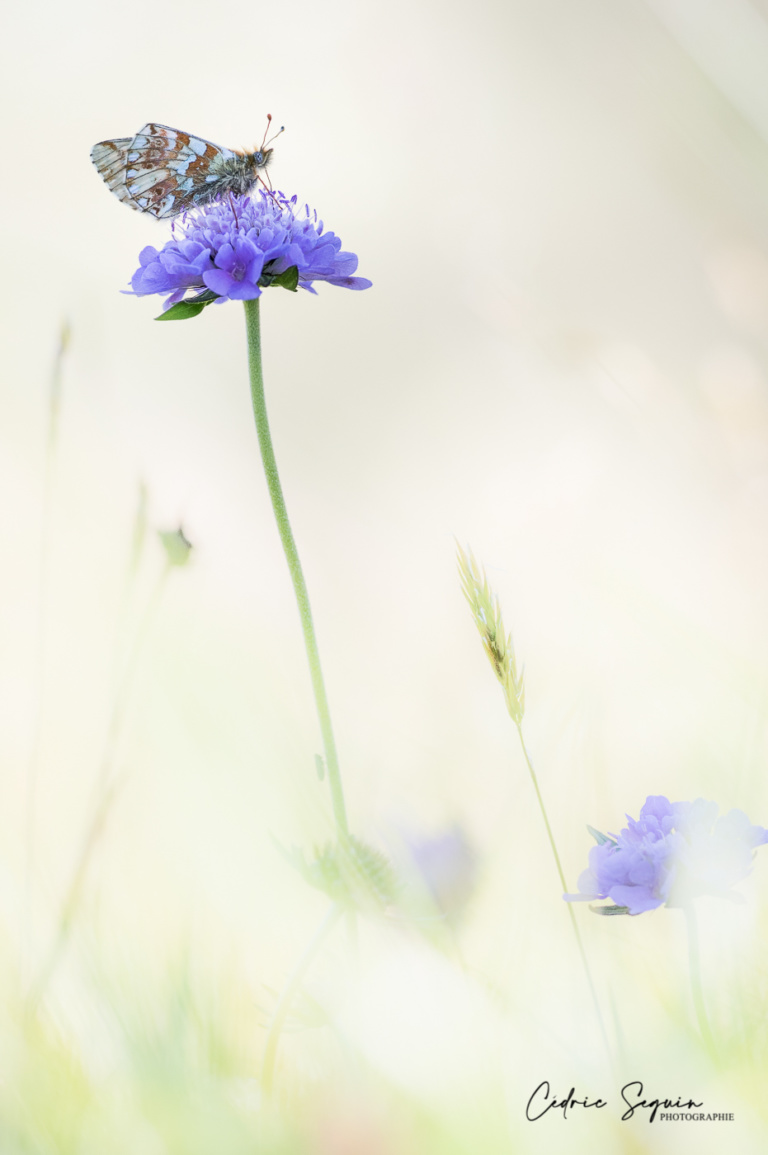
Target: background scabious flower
{"x": 674, "y": 852}
{"x": 447, "y": 866}
{"x": 231, "y": 250}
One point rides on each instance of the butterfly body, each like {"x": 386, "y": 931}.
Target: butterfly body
{"x": 164, "y": 172}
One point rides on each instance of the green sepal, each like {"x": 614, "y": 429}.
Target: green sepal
{"x": 608, "y": 911}
{"x": 599, "y": 838}
{"x": 289, "y": 279}
{"x": 183, "y": 310}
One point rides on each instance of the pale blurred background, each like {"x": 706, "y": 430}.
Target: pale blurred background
{"x": 563, "y": 207}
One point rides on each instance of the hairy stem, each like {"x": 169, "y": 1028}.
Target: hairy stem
{"x": 294, "y": 567}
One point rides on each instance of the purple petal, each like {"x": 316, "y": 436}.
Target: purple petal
{"x": 228, "y": 245}
{"x": 218, "y": 282}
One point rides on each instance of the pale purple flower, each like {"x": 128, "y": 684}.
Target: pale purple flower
{"x": 674, "y": 852}
{"x": 234, "y": 248}
{"x": 448, "y": 867}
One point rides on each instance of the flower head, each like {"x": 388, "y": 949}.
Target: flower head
{"x": 177, "y": 546}
{"x": 234, "y": 248}
{"x": 674, "y": 852}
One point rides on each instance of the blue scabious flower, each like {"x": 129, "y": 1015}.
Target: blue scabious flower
{"x": 674, "y": 852}
{"x": 231, "y": 250}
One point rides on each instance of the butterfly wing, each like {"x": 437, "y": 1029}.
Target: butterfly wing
{"x": 109, "y": 157}
{"x": 159, "y": 170}
{"x": 164, "y": 167}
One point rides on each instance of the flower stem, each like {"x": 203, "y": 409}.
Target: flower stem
{"x": 694, "y": 966}
{"x": 294, "y": 566}
{"x": 558, "y": 864}
{"x": 289, "y": 992}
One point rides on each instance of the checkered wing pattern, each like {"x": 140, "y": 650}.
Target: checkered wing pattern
{"x": 109, "y": 158}
{"x": 161, "y": 170}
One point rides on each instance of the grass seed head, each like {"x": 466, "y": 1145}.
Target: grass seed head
{"x": 497, "y": 643}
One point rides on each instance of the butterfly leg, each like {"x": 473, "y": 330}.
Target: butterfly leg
{"x": 267, "y": 185}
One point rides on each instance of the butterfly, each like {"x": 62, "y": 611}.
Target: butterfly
{"x": 163, "y": 171}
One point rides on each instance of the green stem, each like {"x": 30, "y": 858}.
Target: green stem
{"x": 73, "y": 897}
{"x": 294, "y": 566}
{"x": 694, "y": 966}
{"x": 54, "y": 407}
{"x": 104, "y": 795}
{"x": 290, "y": 990}
{"x": 558, "y": 864}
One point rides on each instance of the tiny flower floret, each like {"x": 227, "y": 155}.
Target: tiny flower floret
{"x": 235, "y": 248}
{"x": 673, "y": 853}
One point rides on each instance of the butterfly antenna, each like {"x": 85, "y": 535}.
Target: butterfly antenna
{"x": 265, "y": 142}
